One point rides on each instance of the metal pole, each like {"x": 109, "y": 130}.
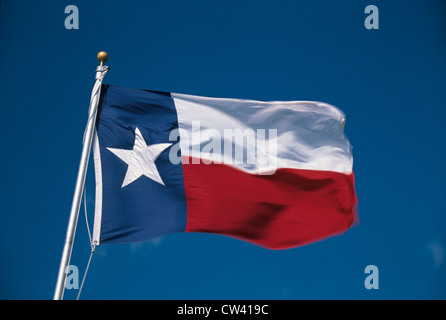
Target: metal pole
{"x": 80, "y": 182}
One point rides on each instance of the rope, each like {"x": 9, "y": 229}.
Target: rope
{"x": 85, "y": 274}
{"x": 86, "y": 217}
{"x": 92, "y": 245}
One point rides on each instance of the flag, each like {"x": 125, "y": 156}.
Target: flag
{"x": 276, "y": 174}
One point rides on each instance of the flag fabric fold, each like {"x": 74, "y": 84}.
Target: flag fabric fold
{"x": 277, "y": 174}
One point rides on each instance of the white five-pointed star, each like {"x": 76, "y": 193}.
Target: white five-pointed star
{"x": 141, "y": 160}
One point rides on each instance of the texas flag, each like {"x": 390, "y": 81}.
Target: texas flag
{"x": 276, "y": 174}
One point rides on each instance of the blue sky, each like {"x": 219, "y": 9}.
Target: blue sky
{"x": 389, "y": 82}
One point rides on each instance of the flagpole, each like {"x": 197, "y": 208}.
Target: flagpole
{"x": 101, "y": 70}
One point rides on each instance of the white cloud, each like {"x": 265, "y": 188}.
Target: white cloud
{"x": 437, "y": 252}
{"x": 147, "y": 245}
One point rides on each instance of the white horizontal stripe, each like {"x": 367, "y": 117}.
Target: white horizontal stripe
{"x": 309, "y": 134}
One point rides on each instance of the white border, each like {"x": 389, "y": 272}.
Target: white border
{"x": 98, "y": 201}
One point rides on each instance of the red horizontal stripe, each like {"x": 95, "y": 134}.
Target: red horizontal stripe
{"x": 293, "y": 207}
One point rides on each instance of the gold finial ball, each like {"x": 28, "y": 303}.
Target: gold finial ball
{"x": 102, "y": 56}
